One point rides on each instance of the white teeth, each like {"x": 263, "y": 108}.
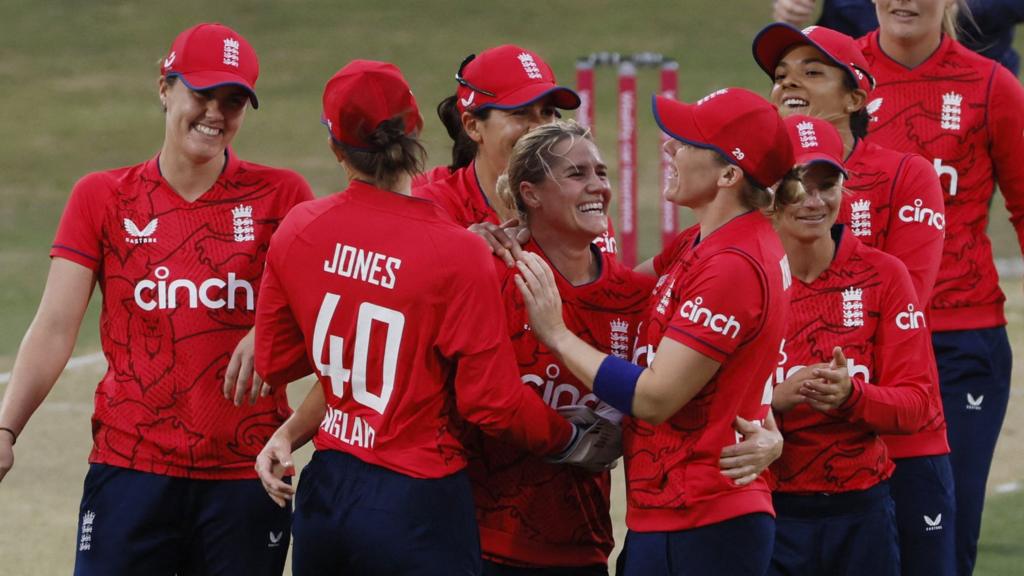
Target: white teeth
{"x": 207, "y": 130}
{"x": 795, "y": 102}
{"x": 597, "y": 207}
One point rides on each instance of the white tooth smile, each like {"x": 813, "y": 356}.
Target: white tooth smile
{"x": 795, "y": 102}
{"x": 591, "y": 207}
{"x": 206, "y": 130}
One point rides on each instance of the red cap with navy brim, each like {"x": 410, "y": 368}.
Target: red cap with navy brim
{"x": 774, "y": 40}
{"x": 210, "y": 55}
{"x": 509, "y": 77}
{"x": 738, "y": 124}
{"x": 815, "y": 140}
{"x": 362, "y": 95}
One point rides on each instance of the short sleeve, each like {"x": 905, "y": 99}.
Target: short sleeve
{"x": 721, "y": 307}
{"x": 79, "y": 234}
{"x": 280, "y": 346}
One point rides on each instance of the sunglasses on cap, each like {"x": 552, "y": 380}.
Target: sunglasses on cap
{"x": 466, "y": 83}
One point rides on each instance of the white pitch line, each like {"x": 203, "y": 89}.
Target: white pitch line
{"x": 76, "y": 362}
{"x": 1008, "y": 488}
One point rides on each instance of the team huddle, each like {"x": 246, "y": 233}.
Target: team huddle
{"x": 809, "y": 380}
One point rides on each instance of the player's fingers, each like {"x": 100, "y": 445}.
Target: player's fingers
{"x": 746, "y": 479}
{"x": 524, "y": 289}
{"x": 231, "y": 374}
{"x": 522, "y": 235}
{"x": 265, "y": 389}
{"x": 244, "y": 379}
{"x": 256, "y": 388}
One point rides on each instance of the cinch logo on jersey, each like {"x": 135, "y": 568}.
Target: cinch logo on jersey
{"x": 694, "y": 310}
{"x": 555, "y": 394}
{"x": 85, "y": 539}
{"x": 944, "y": 170}
{"x": 353, "y": 431}
{"x": 854, "y": 369}
{"x": 666, "y": 297}
{"x": 137, "y": 236}
{"x": 163, "y": 294}
{"x": 911, "y": 319}
{"x": 860, "y": 218}
{"x": 787, "y": 273}
{"x": 927, "y": 216}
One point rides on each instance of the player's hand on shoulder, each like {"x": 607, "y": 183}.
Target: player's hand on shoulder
{"x": 272, "y": 463}
{"x": 503, "y": 240}
{"x": 596, "y": 443}
{"x": 240, "y": 379}
{"x": 761, "y": 446}
{"x": 536, "y": 282}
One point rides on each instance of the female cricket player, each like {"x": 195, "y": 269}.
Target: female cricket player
{"x": 502, "y": 93}
{"x": 176, "y": 245}
{"x": 892, "y": 201}
{"x": 855, "y": 363}
{"x": 407, "y": 343}
{"x": 715, "y": 323}
{"x": 537, "y": 517}
{"x": 965, "y": 115}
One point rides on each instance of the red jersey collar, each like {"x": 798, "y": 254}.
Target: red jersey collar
{"x": 885, "y": 60}
{"x": 151, "y": 170}
{"x": 728, "y": 234}
{"x": 566, "y": 288}
{"x": 393, "y": 201}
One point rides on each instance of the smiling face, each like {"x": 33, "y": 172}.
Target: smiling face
{"x": 807, "y": 82}
{"x": 911, "y": 21}
{"x": 200, "y": 125}
{"x": 694, "y": 180}
{"x": 498, "y": 133}
{"x": 573, "y": 199}
{"x": 811, "y": 217}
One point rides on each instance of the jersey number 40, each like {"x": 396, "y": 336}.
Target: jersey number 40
{"x": 334, "y": 368}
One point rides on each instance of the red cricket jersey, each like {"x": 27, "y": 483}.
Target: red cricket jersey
{"x": 865, "y": 303}
{"x": 179, "y": 281}
{"x": 965, "y": 114}
{"x": 725, "y": 297}
{"x": 461, "y": 197}
{"x": 893, "y": 202}
{"x": 530, "y": 512}
{"x": 398, "y": 311}
{"x": 432, "y": 175}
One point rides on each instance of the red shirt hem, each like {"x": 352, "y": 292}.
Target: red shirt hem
{"x": 930, "y": 443}
{"x": 710, "y": 511}
{"x": 967, "y": 318}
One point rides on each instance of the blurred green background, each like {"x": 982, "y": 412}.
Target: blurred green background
{"x": 78, "y": 93}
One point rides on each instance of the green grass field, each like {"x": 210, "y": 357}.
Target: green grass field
{"x": 78, "y": 93}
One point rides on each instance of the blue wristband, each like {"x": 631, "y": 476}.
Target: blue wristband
{"x": 615, "y": 383}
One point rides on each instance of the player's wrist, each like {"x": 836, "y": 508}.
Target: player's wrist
{"x": 8, "y": 435}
